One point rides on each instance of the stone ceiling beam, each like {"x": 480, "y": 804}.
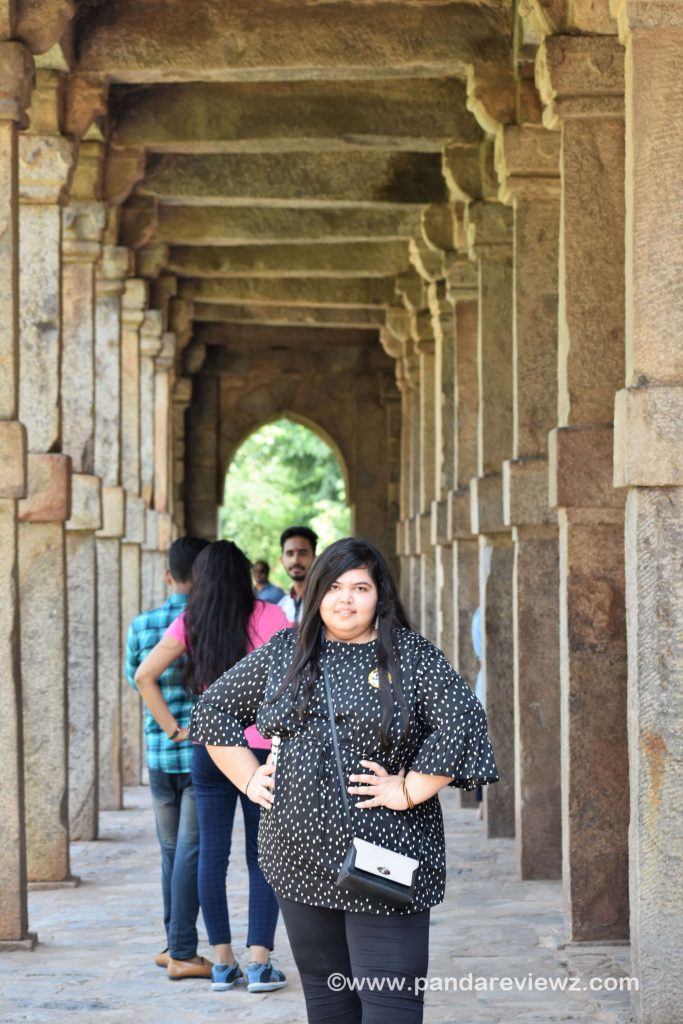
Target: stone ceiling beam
{"x": 373, "y": 178}
{"x": 170, "y": 41}
{"x": 222, "y": 225}
{"x": 236, "y": 336}
{"x": 323, "y": 292}
{"x": 418, "y": 115}
{"x": 364, "y": 259}
{"x": 285, "y": 316}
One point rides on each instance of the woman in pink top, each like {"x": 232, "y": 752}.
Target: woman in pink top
{"x": 222, "y": 623}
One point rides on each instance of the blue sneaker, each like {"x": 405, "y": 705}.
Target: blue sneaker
{"x": 224, "y": 976}
{"x": 264, "y": 977}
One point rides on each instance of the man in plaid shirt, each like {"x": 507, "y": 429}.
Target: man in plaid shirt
{"x": 168, "y": 761}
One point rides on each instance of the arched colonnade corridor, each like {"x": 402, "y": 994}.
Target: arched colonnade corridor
{"x": 446, "y": 234}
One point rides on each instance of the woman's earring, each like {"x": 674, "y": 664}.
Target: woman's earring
{"x": 376, "y": 623}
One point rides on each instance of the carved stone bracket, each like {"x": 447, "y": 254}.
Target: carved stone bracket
{"x": 580, "y": 77}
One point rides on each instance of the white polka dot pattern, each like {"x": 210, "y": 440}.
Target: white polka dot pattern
{"x": 302, "y": 840}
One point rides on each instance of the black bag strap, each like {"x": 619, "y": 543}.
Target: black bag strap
{"x": 335, "y": 744}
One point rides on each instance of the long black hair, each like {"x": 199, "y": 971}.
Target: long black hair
{"x": 337, "y": 559}
{"x": 217, "y": 616}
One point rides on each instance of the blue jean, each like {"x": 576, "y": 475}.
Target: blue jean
{"x": 216, "y": 803}
{"x": 175, "y": 811}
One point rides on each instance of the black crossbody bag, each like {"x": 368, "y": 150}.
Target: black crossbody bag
{"x": 367, "y": 869}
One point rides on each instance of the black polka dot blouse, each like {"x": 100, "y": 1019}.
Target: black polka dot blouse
{"x": 303, "y": 838}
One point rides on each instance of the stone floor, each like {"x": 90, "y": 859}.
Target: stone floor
{"x": 94, "y": 960}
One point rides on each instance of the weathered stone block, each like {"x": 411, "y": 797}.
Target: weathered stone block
{"x": 135, "y": 519}
{"x": 580, "y": 468}
{"x": 460, "y": 515}
{"x": 439, "y": 522}
{"x": 423, "y": 533}
{"x": 648, "y": 437}
{"x": 49, "y": 489}
{"x": 525, "y": 493}
{"x": 86, "y": 502}
{"x": 164, "y": 531}
{"x": 113, "y": 512}
{"x": 13, "y": 467}
{"x": 486, "y": 494}
{"x": 151, "y": 541}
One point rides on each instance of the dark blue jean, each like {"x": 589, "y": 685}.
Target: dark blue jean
{"x": 175, "y": 810}
{"x": 216, "y": 802}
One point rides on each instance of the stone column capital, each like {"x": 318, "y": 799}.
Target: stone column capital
{"x": 644, "y": 15}
{"x": 83, "y": 222}
{"x": 165, "y": 359}
{"x": 580, "y": 77}
{"x": 462, "y": 278}
{"x": 150, "y": 333}
{"x": 16, "y": 82}
{"x": 410, "y": 289}
{"x": 151, "y": 259}
{"x": 428, "y": 262}
{"x": 489, "y": 230}
{"x": 527, "y": 159}
{"x": 111, "y": 271}
{"x": 45, "y": 167}
{"x": 134, "y": 303}
{"x": 437, "y": 224}
{"x": 422, "y": 332}
{"x": 468, "y": 170}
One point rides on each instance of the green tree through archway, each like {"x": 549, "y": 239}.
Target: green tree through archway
{"x": 283, "y": 474}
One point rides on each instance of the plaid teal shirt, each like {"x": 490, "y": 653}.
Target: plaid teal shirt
{"x": 144, "y": 633}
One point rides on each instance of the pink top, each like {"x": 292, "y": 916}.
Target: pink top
{"x": 266, "y": 620}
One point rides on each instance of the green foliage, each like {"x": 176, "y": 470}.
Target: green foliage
{"x": 283, "y": 475}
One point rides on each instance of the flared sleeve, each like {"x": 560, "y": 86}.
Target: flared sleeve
{"x": 229, "y": 706}
{"x": 457, "y": 745}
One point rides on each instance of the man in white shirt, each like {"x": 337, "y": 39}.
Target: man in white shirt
{"x": 298, "y": 545}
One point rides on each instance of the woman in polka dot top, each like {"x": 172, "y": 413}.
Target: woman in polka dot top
{"x": 407, "y": 725}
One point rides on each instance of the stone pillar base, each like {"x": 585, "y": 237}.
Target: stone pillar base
{"x": 26, "y": 945}
{"x": 72, "y": 882}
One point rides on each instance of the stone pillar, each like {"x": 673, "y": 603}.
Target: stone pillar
{"x": 582, "y": 77}
{"x": 490, "y": 237}
{"x": 150, "y": 346}
{"x": 182, "y": 396}
{"x": 133, "y": 305}
{"x": 44, "y": 166}
{"x": 163, "y": 444}
{"x": 15, "y": 89}
{"x": 649, "y": 462}
{"x": 110, "y": 277}
{"x": 81, "y": 578}
{"x": 424, "y": 343}
{"x": 201, "y": 459}
{"x": 528, "y": 169}
{"x": 82, "y": 224}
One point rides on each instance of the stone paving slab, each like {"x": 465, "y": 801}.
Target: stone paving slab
{"x": 94, "y": 961}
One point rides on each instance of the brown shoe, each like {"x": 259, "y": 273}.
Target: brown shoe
{"x": 178, "y": 969}
{"x": 161, "y": 959}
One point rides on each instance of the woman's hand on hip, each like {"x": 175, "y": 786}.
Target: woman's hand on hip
{"x": 260, "y": 786}
{"x": 379, "y": 788}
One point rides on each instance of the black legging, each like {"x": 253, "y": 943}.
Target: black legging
{"x": 360, "y": 948}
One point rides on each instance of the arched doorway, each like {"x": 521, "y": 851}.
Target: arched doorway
{"x": 284, "y": 473}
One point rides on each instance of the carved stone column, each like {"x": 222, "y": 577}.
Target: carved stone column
{"x": 182, "y": 396}
{"x": 150, "y": 346}
{"x": 529, "y": 172}
{"x": 16, "y": 67}
{"x": 45, "y": 159}
{"x": 201, "y": 458}
{"x": 110, "y": 279}
{"x": 163, "y": 440}
{"x": 649, "y": 462}
{"x": 581, "y": 79}
{"x": 490, "y": 236}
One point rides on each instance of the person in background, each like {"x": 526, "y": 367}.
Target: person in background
{"x": 265, "y": 590}
{"x": 169, "y": 756}
{"x": 298, "y": 545}
{"x": 222, "y": 623}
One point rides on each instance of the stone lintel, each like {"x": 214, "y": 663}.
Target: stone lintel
{"x": 527, "y": 159}
{"x": 580, "y": 77}
{"x": 580, "y": 473}
{"x": 113, "y": 513}
{"x": 460, "y": 514}
{"x": 16, "y": 82}
{"x": 48, "y": 498}
{"x": 86, "y": 502}
{"x": 486, "y": 495}
{"x": 13, "y": 463}
{"x": 439, "y": 528}
{"x": 135, "y": 519}
{"x": 648, "y": 437}
{"x": 372, "y": 178}
{"x": 489, "y": 230}
{"x": 352, "y": 259}
{"x": 329, "y": 292}
{"x": 45, "y": 165}
{"x": 525, "y": 493}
